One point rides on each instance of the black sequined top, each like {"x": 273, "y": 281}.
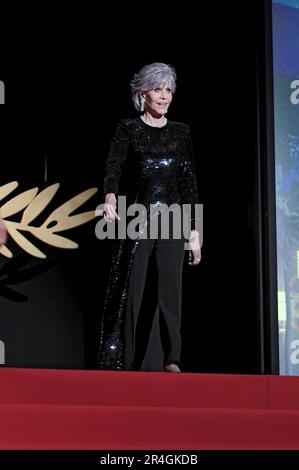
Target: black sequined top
{"x": 150, "y": 164}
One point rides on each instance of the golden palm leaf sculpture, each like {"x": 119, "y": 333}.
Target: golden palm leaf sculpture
{"x": 32, "y": 204}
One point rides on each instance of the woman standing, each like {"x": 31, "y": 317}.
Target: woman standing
{"x": 151, "y": 162}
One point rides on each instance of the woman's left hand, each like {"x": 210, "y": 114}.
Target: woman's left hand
{"x": 195, "y": 251}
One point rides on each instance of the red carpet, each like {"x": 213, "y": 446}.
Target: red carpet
{"x": 72, "y": 409}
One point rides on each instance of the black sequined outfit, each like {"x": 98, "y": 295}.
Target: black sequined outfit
{"x": 150, "y": 165}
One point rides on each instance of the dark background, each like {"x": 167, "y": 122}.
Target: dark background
{"x": 66, "y": 89}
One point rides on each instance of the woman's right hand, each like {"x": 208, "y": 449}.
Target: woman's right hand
{"x": 110, "y": 213}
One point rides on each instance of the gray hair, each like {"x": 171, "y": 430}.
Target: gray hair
{"x": 149, "y": 77}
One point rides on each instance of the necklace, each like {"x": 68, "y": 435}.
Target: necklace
{"x": 161, "y": 125}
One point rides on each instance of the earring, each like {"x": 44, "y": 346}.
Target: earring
{"x": 142, "y": 101}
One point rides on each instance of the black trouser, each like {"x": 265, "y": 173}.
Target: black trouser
{"x": 169, "y": 257}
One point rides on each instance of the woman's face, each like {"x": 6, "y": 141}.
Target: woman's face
{"x": 158, "y": 100}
